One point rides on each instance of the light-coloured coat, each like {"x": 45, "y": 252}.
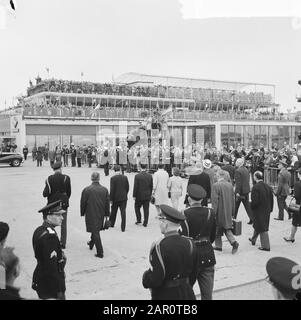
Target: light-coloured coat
{"x": 160, "y": 183}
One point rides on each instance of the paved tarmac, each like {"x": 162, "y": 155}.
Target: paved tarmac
{"x": 118, "y": 275}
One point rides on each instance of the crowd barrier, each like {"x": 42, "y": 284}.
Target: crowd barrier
{"x": 271, "y": 177}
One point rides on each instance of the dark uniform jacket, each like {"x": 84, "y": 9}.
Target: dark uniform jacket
{"x": 143, "y": 186}
{"x": 10, "y": 293}
{"x": 200, "y": 225}
{"x": 95, "y": 205}
{"x": 262, "y": 205}
{"x": 48, "y": 277}
{"x": 119, "y": 188}
{"x": 172, "y": 264}
{"x": 242, "y": 180}
{"x": 58, "y": 187}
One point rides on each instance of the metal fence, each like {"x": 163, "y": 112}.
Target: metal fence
{"x": 271, "y": 177}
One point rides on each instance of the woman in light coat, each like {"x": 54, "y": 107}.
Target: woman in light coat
{"x": 160, "y": 191}
{"x": 175, "y": 187}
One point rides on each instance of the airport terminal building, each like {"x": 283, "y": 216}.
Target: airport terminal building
{"x": 198, "y": 111}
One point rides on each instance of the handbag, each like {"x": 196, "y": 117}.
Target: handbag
{"x": 236, "y": 227}
{"x": 152, "y": 200}
{"x": 169, "y": 194}
{"x": 106, "y": 224}
{"x": 293, "y": 207}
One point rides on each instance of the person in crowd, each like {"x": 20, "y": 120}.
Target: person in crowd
{"x": 78, "y": 156}
{"x": 46, "y": 152}
{"x": 58, "y": 187}
{"x": 262, "y": 202}
{"x": 198, "y": 176}
{"x": 223, "y": 205}
{"x": 242, "y": 188}
{"x": 95, "y": 206}
{"x": 73, "y": 155}
{"x": 207, "y": 165}
{"x": 283, "y": 189}
{"x": 160, "y": 191}
{"x": 106, "y": 162}
{"x": 51, "y": 156}
{"x": 142, "y": 192}
{"x": 283, "y": 279}
{"x": 65, "y": 155}
{"x": 58, "y": 153}
{"x": 49, "y": 277}
{"x": 39, "y": 158}
{"x": 172, "y": 260}
{"x": 12, "y": 271}
{"x": 200, "y": 225}
{"x": 25, "y": 152}
{"x": 175, "y": 187}
{"x": 119, "y": 188}
{"x": 89, "y": 156}
{"x": 296, "y": 222}
{"x": 4, "y": 229}
{"x": 228, "y": 167}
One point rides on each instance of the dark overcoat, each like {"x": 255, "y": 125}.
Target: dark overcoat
{"x": 95, "y": 205}
{"x": 262, "y": 206}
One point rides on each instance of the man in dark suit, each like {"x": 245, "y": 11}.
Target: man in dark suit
{"x": 228, "y": 167}
{"x": 201, "y": 178}
{"x": 262, "y": 206}
{"x": 143, "y": 187}
{"x": 58, "y": 187}
{"x": 119, "y": 188}
{"x": 95, "y": 205}
{"x": 242, "y": 188}
{"x": 283, "y": 189}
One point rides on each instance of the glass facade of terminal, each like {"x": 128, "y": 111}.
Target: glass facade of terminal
{"x": 254, "y": 135}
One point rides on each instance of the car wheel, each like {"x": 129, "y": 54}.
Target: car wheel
{"x": 16, "y": 163}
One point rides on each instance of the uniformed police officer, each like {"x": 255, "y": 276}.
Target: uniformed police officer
{"x": 285, "y": 278}
{"x": 58, "y": 187}
{"x": 49, "y": 276}
{"x": 171, "y": 259}
{"x": 200, "y": 225}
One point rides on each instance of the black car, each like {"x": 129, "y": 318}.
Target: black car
{"x": 12, "y": 158}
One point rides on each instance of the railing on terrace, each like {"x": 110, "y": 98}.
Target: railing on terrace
{"x": 129, "y": 113}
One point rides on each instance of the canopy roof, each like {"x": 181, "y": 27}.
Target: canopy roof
{"x": 133, "y": 78}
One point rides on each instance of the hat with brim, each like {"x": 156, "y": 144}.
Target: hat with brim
{"x": 281, "y": 274}
{"x": 207, "y": 163}
{"x": 171, "y": 214}
{"x": 196, "y": 192}
{"x": 53, "y": 208}
{"x": 57, "y": 165}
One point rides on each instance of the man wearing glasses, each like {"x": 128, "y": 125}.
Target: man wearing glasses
{"x": 49, "y": 276}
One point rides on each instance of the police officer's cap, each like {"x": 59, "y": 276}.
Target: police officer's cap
{"x": 171, "y": 214}
{"x": 53, "y": 208}
{"x": 4, "y": 228}
{"x": 196, "y": 192}
{"x": 57, "y": 165}
{"x": 281, "y": 274}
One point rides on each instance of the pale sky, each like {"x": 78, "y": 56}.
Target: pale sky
{"x": 102, "y": 38}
